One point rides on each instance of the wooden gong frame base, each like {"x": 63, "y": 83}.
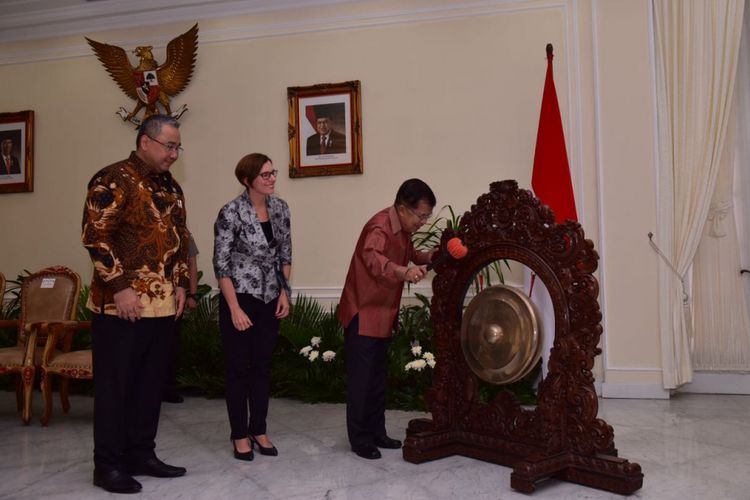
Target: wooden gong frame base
{"x": 561, "y": 437}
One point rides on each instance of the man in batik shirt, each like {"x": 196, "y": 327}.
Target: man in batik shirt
{"x": 134, "y": 230}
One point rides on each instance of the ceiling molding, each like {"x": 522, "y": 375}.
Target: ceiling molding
{"x": 193, "y": 10}
{"x": 38, "y": 19}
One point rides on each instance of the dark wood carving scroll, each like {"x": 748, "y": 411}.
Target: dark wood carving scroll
{"x": 561, "y": 437}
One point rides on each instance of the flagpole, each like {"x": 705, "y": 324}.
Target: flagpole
{"x": 549, "y": 50}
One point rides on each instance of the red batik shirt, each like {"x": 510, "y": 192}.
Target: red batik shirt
{"x": 375, "y": 279}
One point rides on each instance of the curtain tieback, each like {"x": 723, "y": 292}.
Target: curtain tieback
{"x": 716, "y": 215}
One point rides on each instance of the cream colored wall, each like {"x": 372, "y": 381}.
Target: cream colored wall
{"x": 626, "y": 152}
{"x": 451, "y": 96}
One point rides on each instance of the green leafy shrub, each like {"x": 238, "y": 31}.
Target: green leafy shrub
{"x": 308, "y": 363}
{"x": 201, "y": 362}
{"x": 406, "y": 386}
{"x": 11, "y": 308}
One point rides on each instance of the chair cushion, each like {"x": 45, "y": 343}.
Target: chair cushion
{"x": 12, "y": 357}
{"x": 76, "y": 364}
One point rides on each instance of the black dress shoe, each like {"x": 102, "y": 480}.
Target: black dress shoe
{"x": 116, "y": 481}
{"x": 386, "y": 442}
{"x": 271, "y": 451}
{"x": 172, "y": 397}
{"x": 369, "y": 452}
{"x": 156, "y": 468}
{"x": 247, "y": 456}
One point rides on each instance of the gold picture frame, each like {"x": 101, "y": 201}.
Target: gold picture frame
{"x": 325, "y": 129}
{"x": 17, "y": 152}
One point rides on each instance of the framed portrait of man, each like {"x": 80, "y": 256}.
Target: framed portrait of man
{"x": 325, "y": 129}
{"x": 17, "y": 152}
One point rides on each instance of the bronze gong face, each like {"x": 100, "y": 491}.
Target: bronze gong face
{"x": 501, "y": 335}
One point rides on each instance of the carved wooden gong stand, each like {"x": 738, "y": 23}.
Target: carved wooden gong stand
{"x": 561, "y": 437}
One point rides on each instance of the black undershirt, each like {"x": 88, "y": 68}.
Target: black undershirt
{"x": 267, "y": 230}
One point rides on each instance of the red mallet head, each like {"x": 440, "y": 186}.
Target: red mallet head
{"x": 456, "y": 248}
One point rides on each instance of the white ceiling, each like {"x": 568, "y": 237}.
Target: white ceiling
{"x": 36, "y": 19}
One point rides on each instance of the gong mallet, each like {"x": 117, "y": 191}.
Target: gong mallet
{"x": 455, "y": 249}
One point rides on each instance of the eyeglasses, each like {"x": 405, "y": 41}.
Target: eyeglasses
{"x": 267, "y": 175}
{"x": 172, "y": 148}
{"x": 421, "y": 217}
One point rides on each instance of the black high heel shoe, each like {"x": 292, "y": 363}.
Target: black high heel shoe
{"x": 247, "y": 456}
{"x": 270, "y": 451}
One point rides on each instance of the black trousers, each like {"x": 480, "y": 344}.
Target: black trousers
{"x": 247, "y": 364}
{"x": 130, "y": 361}
{"x": 170, "y": 382}
{"x": 366, "y": 372}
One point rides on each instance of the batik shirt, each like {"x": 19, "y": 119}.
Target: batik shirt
{"x": 242, "y": 252}
{"x": 134, "y": 230}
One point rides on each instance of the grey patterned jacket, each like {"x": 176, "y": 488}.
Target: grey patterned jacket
{"x": 242, "y": 253}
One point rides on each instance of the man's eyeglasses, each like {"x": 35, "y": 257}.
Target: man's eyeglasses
{"x": 267, "y": 175}
{"x": 172, "y": 148}
{"x": 422, "y": 217}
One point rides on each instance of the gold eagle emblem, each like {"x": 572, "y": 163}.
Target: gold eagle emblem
{"x": 149, "y": 83}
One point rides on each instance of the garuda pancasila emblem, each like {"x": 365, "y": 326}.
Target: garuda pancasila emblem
{"x": 148, "y": 83}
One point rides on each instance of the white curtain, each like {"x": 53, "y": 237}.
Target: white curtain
{"x": 742, "y": 163}
{"x": 697, "y": 46}
{"x": 722, "y": 328}
{"x": 741, "y": 194}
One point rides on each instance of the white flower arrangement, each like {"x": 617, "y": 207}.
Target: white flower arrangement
{"x": 417, "y": 365}
{"x": 312, "y": 351}
{"x": 423, "y": 359}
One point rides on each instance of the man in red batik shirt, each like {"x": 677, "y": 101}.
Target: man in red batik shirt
{"x": 369, "y": 309}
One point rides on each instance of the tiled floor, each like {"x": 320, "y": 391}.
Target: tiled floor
{"x": 692, "y": 446}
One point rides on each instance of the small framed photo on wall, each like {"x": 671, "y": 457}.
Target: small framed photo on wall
{"x": 325, "y": 129}
{"x": 17, "y": 152}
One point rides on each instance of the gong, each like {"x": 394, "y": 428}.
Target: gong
{"x": 501, "y": 335}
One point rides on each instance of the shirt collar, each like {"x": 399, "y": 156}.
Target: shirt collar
{"x": 395, "y": 222}
{"x": 143, "y": 168}
{"x": 246, "y": 196}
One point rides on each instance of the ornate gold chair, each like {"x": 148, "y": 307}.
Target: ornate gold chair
{"x": 64, "y": 363}
{"x": 48, "y": 300}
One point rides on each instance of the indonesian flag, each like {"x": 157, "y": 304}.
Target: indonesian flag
{"x": 311, "y": 118}
{"x": 551, "y": 176}
{"x": 552, "y": 185}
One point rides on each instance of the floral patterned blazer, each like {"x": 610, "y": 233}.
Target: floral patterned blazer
{"x": 242, "y": 253}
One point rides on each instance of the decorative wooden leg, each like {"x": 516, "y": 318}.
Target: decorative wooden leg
{"x": 19, "y": 393}
{"x": 28, "y": 385}
{"x": 46, "y": 396}
{"x": 64, "y": 384}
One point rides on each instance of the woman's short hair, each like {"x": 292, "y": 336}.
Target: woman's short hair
{"x": 249, "y": 167}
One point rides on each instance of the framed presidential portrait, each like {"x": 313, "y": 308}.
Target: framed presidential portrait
{"x": 17, "y": 152}
{"x": 325, "y": 129}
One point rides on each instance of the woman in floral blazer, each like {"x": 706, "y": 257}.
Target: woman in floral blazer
{"x": 252, "y": 262}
